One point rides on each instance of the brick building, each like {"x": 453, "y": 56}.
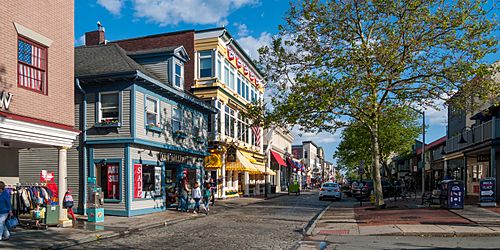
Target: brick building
{"x": 36, "y": 88}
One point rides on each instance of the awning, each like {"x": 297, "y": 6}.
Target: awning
{"x": 241, "y": 164}
{"x": 262, "y": 169}
{"x": 278, "y": 158}
{"x": 213, "y": 161}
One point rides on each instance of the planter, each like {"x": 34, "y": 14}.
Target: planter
{"x": 153, "y": 128}
{"x": 108, "y": 124}
{"x": 179, "y": 134}
{"x": 199, "y": 140}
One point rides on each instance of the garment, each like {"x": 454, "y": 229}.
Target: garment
{"x": 197, "y": 193}
{"x": 197, "y": 204}
{"x": 4, "y": 232}
{"x": 5, "y": 202}
{"x": 183, "y": 206}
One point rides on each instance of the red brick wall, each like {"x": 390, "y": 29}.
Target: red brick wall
{"x": 53, "y": 19}
{"x": 184, "y": 38}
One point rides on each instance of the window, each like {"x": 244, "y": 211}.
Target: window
{"x": 305, "y": 154}
{"x": 176, "y": 119}
{"x": 230, "y": 122}
{"x": 109, "y": 107}
{"x": 205, "y": 63}
{"x": 151, "y": 181}
{"x": 197, "y": 126}
{"x": 152, "y": 112}
{"x": 239, "y": 86}
{"x": 219, "y": 67}
{"x": 247, "y": 96}
{"x": 226, "y": 73}
{"x": 31, "y": 66}
{"x": 231, "y": 80}
{"x": 253, "y": 95}
{"x": 178, "y": 75}
{"x": 108, "y": 178}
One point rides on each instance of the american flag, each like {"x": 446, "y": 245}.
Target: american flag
{"x": 256, "y": 132}
{"x": 32, "y": 66}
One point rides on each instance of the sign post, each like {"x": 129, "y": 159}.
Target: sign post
{"x": 487, "y": 194}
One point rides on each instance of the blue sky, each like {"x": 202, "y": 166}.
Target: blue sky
{"x": 252, "y": 22}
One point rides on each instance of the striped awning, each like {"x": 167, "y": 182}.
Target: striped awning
{"x": 213, "y": 161}
{"x": 242, "y": 164}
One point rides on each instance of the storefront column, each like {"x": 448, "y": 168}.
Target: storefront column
{"x": 278, "y": 180}
{"x": 223, "y": 195}
{"x": 62, "y": 173}
{"x": 229, "y": 179}
{"x": 445, "y": 168}
{"x": 257, "y": 185}
{"x": 492, "y": 172}
{"x": 235, "y": 180}
{"x": 247, "y": 183}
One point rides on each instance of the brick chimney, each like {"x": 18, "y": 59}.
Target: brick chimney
{"x": 95, "y": 37}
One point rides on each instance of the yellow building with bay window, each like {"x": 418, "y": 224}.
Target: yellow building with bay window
{"x": 226, "y": 76}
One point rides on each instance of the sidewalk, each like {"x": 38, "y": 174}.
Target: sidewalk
{"x": 112, "y": 226}
{"x": 405, "y": 218}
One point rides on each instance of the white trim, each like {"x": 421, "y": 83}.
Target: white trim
{"x": 26, "y": 132}
{"x": 32, "y": 35}
{"x": 181, "y": 64}
{"x": 154, "y": 99}
{"x": 99, "y": 113}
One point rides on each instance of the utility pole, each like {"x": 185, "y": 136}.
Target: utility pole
{"x": 423, "y": 152}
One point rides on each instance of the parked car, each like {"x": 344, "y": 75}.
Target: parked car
{"x": 330, "y": 190}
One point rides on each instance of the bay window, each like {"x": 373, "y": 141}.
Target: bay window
{"x": 205, "y": 63}
{"x": 109, "y": 108}
{"x": 176, "y": 119}
{"x": 226, "y": 73}
{"x": 152, "y": 108}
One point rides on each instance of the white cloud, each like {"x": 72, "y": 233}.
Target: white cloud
{"x": 80, "y": 41}
{"x": 242, "y": 29}
{"x": 113, "y": 6}
{"x": 251, "y": 44}
{"x": 167, "y": 12}
{"x": 438, "y": 115}
{"x": 318, "y": 138}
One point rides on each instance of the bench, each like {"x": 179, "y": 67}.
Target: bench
{"x": 432, "y": 198}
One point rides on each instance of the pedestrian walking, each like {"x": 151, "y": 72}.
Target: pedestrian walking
{"x": 206, "y": 196}
{"x": 5, "y": 211}
{"x": 196, "y": 197}
{"x": 183, "y": 192}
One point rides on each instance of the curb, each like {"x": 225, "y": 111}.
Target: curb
{"x": 276, "y": 196}
{"x": 441, "y": 234}
{"x": 122, "y": 233}
{"x": 315, "y": 221}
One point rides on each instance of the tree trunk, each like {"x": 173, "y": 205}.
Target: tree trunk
{"x": 377, "y": 183}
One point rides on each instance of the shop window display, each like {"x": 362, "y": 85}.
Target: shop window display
{"x": 108, "y": 179}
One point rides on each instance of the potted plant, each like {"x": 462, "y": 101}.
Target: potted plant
{"x": 154, "y": 127}
{"x": 109, "y": 122}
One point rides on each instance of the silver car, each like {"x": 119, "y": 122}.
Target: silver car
{"x": 330, "y": 190}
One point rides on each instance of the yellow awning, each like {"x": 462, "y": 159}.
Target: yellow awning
{"x": 241, "y": 164}
{"x": 213, "y": 161}
{"x": 262, "y": 169}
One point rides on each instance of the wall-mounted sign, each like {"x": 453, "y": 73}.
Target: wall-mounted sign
{"x": 242, "y": 65}
{"x": 5, "y": 99}
{"x": 46, "y": 176}
{"x": 483, "y": 158}
{"x": 231, "y": 154}
{"x": 138, "y": 181}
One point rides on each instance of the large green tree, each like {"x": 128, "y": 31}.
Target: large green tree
{"x": 398, "y": 129}
{"x": 337, "y": 61}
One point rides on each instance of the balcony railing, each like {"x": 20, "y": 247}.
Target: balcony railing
{"x": 478, "y": 134}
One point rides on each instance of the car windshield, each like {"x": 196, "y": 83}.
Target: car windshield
{"x": 330, "y": 185}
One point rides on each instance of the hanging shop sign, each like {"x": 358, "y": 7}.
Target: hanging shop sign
{"x": 231, "y": 55}
{"x": 173, "y": 158}
{"x": 5, "y": 100}
{"x": 113, "y": 181}
{"x": 137, "y": 181}
{"x": 231, "y": 154}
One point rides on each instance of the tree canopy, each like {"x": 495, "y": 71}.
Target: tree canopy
{"x": 338, "y": 61}
{"x": 398, "y": 130}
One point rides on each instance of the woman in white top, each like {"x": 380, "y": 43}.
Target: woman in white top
{"x": 196, "y": 197}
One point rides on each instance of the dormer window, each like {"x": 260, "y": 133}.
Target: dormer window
{"x": 178, "y": 75}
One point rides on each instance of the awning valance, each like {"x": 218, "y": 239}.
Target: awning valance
{"x": 241, "y": 164}
{"x": 262, "y": 169}
{"x": 278, "y": 158}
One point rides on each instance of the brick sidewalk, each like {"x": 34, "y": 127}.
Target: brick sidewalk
{"x": 406, "y": 218}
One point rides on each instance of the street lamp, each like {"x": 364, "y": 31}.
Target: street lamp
{"x": 462, "y": 139}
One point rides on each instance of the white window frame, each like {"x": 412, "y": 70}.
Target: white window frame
{"x": 231, "y": 79}
{"x": 99, "y": 106}
{"x": 200, "y": 57}
{"x": 180, "y": 118}
{"x": 174, "y": 74}
{"x": 157, "y": 101}
{"x": 226, "y": 72}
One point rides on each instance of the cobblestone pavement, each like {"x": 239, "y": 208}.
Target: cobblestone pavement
{"x": 272, "y": 224}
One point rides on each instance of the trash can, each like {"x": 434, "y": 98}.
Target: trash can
{"x": 452, "y": 194}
